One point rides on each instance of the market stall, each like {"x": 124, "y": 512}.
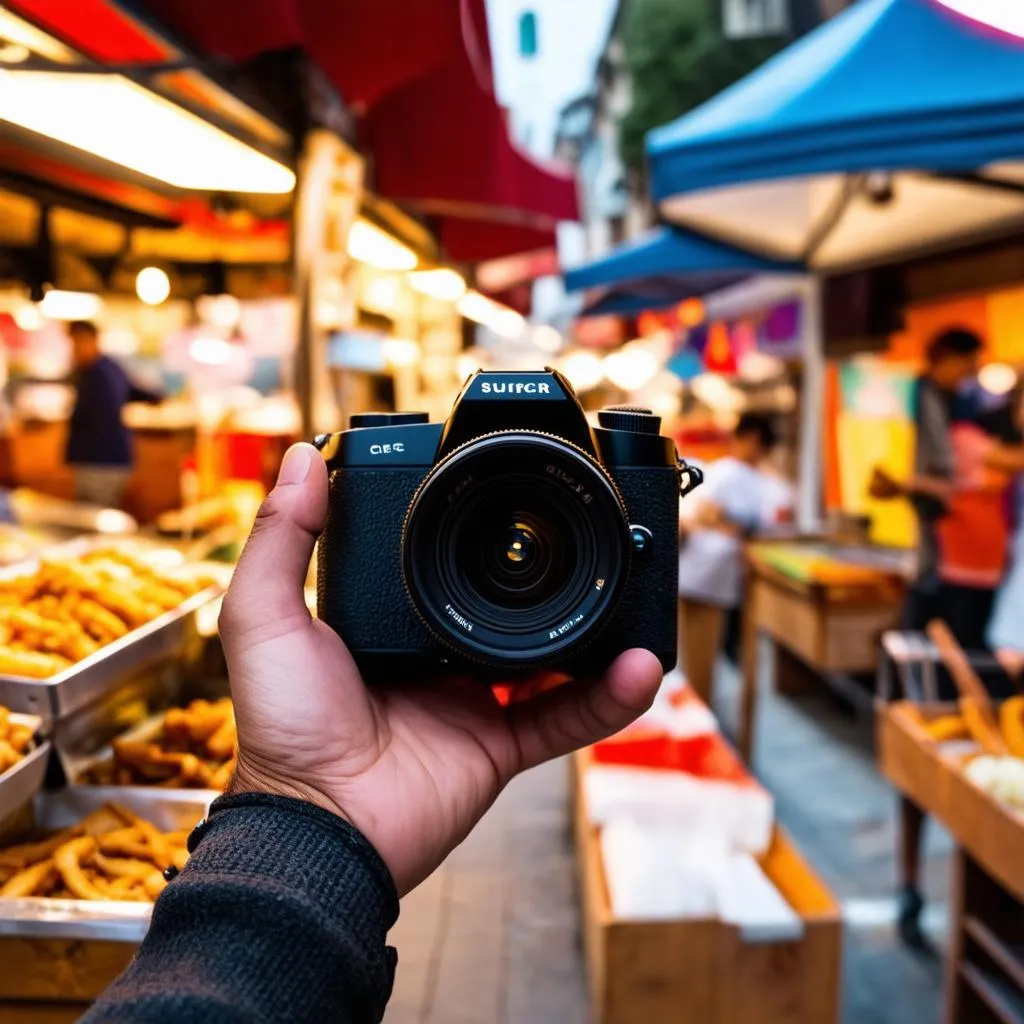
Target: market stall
{"x": 970, "y": 777}
{"x": 695, "y": 905}
{"x": 824, "y": 606}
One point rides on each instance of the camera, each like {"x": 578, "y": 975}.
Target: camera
{"x": 514, "y": 536}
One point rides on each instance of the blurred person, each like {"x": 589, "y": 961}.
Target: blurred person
{"x": 738, "y": 498}
{"x": 345, "y": 798}
{"x": 1006, "y": 628}
{"x": 99, "y": 449}
{"x": 952, "y": 360}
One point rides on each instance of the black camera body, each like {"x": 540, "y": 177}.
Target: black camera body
{"x": 511, "y": 537}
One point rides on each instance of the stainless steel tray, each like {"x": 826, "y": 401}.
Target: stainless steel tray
{"x": 88, "y": 680}
{"x": 110, "y": 921}
{"x": 20, "y": 783}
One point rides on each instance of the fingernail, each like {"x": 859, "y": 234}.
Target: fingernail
{"x": 295, "y": 466}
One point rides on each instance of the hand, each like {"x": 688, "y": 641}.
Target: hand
{"x": 882, "y": 486}
{"x": 413, "y": 768}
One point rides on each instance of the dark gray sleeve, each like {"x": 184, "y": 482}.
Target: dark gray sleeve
{"x": 280, "y": 915}
{"x": 934, "y": 450}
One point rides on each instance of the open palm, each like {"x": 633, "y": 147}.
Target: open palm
{"x": 413, "y": 767}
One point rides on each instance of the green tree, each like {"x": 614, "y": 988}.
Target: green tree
{"x": 677, "y": 57}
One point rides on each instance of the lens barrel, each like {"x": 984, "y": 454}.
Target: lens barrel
{"x": 515, "y": 549}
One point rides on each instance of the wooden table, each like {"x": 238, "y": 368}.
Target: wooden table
{"x": 985, "y": 965}
{"x": 826, "y": 626}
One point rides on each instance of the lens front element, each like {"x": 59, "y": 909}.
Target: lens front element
{"x": 515, "y": 549}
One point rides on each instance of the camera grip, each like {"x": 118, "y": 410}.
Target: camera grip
{"x": 360, "y": 588}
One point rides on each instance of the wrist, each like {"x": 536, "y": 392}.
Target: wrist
{"x": 251, "y": 777}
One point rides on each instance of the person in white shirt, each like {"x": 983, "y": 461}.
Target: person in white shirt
{"x": 738, "y": 498}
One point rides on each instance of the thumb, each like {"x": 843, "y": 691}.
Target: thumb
{"x": 266, "y": 597}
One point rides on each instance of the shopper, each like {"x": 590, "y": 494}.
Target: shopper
{"x": 345, "y": 798}
{"x": 952, "y": 360}
{"x": 1006, "y": 628}
{"x": 99, "y": 449}
{"x": 738, "y": 497}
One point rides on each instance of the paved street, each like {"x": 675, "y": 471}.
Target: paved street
{"x": 493, "y": 938}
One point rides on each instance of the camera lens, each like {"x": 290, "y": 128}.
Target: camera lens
{"x": 515, "y": 549}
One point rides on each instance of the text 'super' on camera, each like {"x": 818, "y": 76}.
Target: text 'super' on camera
{"x": 511, "y": 537}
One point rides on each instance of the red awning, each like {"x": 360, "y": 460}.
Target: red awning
{"x": 419, "y": 69}
{"x": 366, "y": 47}
{"x": 441, "y": 144}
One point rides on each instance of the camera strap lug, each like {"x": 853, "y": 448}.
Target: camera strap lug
{"x": 690, "y": 477}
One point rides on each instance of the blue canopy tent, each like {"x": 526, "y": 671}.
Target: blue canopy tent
{"x": 664, "y": 267}
{"x": 895, "y": 128}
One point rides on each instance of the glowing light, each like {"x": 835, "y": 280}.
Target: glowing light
{"x": 443, "y": 283}
{"x": 209, "y": 351}
{"x": 61, "y": 305}
{"x": 14, "y": 53}
{"x": 1005, "y": 15}
{"x": 152, "y": 285}
{"x": 369, "y": 244}
{"x": 120, "y": 121}
{"x": 584, "y": 369}
{"x": 220, "y": 311}
{"x": 28, "y": 317}
{"x": 691, "y": 312}
{"x": 466, "y": 365}
{"x": 500, "y": 319}
{"x": 401, "y": 352}
{"x": 716, "y": 392}
{"x": 759, "y": 367}
{"x": 997, "y": 378}
{"x": 631, "y": 367}
{"x": 112, "y": 520}
{"x": 547, "y": 338}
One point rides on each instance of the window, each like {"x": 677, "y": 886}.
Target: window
{"x": 750, "y": 19}
{"x": 528, "y": 34}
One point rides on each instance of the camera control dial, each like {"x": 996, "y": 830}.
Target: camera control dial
{"x": 629, "y": 417}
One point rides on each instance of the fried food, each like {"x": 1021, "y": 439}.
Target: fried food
{"x": 1011, "y": 723}
{"x": 110, "y": 855}
{"x": 68, "y": 609}
{"x": 193, "y": 749}
{"x": 15, "y": 740}
{"x": 947, "y": 727}
{"x": 981, "y": 730}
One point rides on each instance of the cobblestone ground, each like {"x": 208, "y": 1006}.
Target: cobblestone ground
{"x": 493, "y": 938}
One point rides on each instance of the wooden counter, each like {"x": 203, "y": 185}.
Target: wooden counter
{"x": 704, "y": 971}
{"x": 985, "y": 965}
{"x": 825, "y": 624}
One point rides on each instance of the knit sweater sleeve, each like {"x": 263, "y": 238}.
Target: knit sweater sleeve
{"x": 281, "y": 914}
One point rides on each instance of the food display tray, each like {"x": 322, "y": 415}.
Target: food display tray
{"x": 104, "y": 920}
{"x": 86, "y": 681}
{"x": 20, "y": 783}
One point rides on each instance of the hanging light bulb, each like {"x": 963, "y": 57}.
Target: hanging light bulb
{"x": 152, "y": 285}
{"x": 997, "y": 378}
{"x": 220, "y": 311}
{"x": 28, "y": 317}
{"x": 62, "y": 305}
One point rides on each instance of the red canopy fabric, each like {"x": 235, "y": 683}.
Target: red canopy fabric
{"x": 366, "y": 47}
{"x": 420, "y": 71}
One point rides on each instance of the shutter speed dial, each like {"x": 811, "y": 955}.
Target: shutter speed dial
{"x": 632, "y": 418}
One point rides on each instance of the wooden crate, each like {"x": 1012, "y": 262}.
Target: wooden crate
{"x": 702, "y": 971}
{"x": 916, "y": 765}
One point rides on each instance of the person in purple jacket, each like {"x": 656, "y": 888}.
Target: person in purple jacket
{"x": 99, "y": 449}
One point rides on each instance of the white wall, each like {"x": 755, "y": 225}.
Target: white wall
{"x": 570, "y": 35}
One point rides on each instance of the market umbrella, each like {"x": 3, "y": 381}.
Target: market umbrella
{"x": 897, "y": 128}
{"x": 670, "y": 258}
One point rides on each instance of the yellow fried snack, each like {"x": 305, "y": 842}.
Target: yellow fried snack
{"x": 947, "y": 727}
{"x": 30, "y": 881}
{"x": 194, "y": 749}
{"x": 979, "y": 727}
{"x": 1011, "y": 723}
{"x": 67, "y": 609}
{"x": 111, "y": 855}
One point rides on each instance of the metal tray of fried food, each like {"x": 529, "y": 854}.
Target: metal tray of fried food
{"x": 20, "y": 782}
{"x": 87, "y": 680}
{"x": 108, "y": 920}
